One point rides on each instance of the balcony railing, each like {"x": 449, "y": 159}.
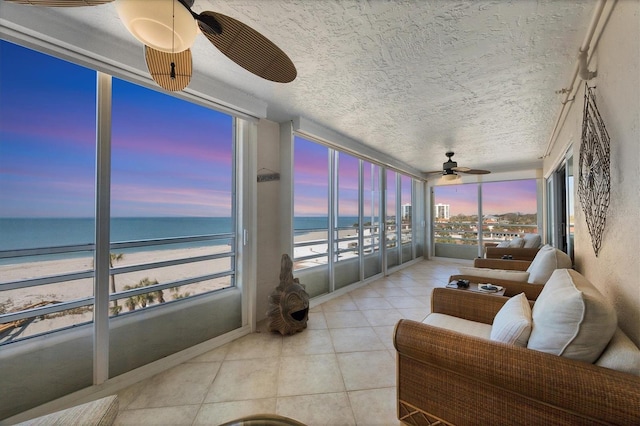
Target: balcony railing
{"x": 14, "y": 320}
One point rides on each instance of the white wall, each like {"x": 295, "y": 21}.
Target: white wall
{"x": 616, "y": 270}
{"x": 268, "y": 205}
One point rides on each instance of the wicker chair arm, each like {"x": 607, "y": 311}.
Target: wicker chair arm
{"x": 509, "y": 265}
{"x": 469, "y": 305}
{"x": 506, "y": 383}
{"x": 512, "y": 288}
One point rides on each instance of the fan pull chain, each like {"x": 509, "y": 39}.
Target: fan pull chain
{"x": 172, "y": 74}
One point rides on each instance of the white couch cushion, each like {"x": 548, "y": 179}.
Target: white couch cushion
{"x": 571, "y": 318}
{"x": 547, "y": 260}
{"x": 516, "y": 242}
{"x": 532, "y": 240}
{"x": 501, "y": 274}
{"x": 512, "y": 323}
{"x": 460, "y": 325}
{"x": 503, "y": 244}
{"x": 621, "y": 355}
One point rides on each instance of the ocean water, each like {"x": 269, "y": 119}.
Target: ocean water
{"x": 26, "y": 233}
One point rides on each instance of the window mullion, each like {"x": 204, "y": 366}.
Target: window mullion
{"x": 103, "y": 213}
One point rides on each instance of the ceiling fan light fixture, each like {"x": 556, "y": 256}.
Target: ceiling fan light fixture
{"x": 154, "y": 24}
{"x": 451, "y": 176}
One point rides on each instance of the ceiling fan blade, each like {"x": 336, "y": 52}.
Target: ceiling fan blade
{"x": 172, "y": 71}
{"x": 248, "y": 48}
{"x": 60, "y": 3}
{"x": 475, "y": 172}
{"x": 461, "y": 169}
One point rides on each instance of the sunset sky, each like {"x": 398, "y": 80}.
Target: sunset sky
{"x": 169, "y": 157}
{"x": 497, "y": 197}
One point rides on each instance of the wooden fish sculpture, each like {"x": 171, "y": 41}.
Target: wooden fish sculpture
{"x": 289, "y": 303}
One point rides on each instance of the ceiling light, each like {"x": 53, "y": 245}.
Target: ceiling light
{"x": 164, "y": 25}
{"x": 451, "y": 176}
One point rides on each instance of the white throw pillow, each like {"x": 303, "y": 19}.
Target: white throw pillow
{"x": 500, "y": 274}
{"x": 547, "y": 260}
{"x": 512, "y": 323}
{"x": 532, "y": 240}
{"x": 516, "y": 243}
{"x": 571, "y": 318}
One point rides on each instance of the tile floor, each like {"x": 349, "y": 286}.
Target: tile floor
{"x": 339, "y": 371}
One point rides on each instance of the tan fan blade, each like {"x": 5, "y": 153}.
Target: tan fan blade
{"x": 475, "y": 172}
{"x": 60, "y": 3}
{"x": 250, "y": 49}
{"x": 172, "y": 71}
{"x": 460, "y": 169}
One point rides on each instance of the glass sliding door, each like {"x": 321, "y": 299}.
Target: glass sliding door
{"x": 455, "y": 224}
{"x": 47, "y": 226}
{"x": 372, "y": 226}
{"x": 347, "y": 220}
{"x": 172, "y": 219}
{"x": 311, "y": 215}
{"x": 510, "y": 210}
{"x": 406, "y": 218}
{"x": 391, "y": 220}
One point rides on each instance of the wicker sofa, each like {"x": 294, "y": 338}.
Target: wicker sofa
{"x": 449, "y": 370}
{"x": 521, "y": 248}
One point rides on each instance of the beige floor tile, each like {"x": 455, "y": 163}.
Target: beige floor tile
{"x": 367, "y": 370}
{"x": 127, "y": 395}
{"x": 240, "y": 380}
{"x": 215, "y": 355}
{"x": 382, "y": 283}
{"x": 380, "y": 317}
{"x": 221, "y": 412}
{"x": 372, "y": 303}
{"x": 184, "y": 384}
{"x": 255, "y": 345}
{"x": 415, "y": 314}
{"x": 355, "y": 339}
{"x": 307, "y": 342}
{"x": 309, "y": 374}
{"x": 375, "y": 407}
{"x": 317, "y": 320}
{"x": 345, "y": 319}
{"x": 419, "y": 291}
{"x": 393, "y": 292}
{"x": 331, "y": 409}
{"x": 343, "y": 303}
{"x": 174, "y": 415}
{"x": 406, "y": 302}
{"x": 385, "y": 334}
{"x": 364, "y": 292}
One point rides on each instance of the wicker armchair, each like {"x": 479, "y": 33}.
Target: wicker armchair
{"x": 458, "y": 379}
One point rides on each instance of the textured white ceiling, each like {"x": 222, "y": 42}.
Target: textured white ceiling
{"x": 412, "y": 79}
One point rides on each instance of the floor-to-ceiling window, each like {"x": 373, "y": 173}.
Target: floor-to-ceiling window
{"x": 347, "y": 220}
{"x": 502, "y": 211}
{"x": 372, "y": 226}
{"x": 391, "y": 220}
{"x": 406, "y": 217}
{"x": 171, "y": 171}
{"x": 47, "y": 193}
{"x": 311, "y": 213}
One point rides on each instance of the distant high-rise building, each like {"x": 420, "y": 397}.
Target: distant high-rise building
{"x": 442, "y": 211}
{"x": 406, "y": 211}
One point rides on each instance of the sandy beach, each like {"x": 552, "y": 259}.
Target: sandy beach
{"x": 18, "y": 299}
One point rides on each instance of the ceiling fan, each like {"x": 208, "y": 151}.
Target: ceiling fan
{"x": 168, "y": 28}
{"x": 450, "y": 170}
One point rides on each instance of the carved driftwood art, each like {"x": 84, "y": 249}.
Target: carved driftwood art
{"x": 289, "y": 303}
